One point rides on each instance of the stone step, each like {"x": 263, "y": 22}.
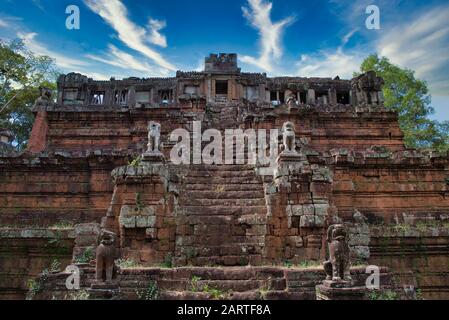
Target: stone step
{"x": 224, "y": 187}
{"x": 225, "y": 174}
{"x": 232, "y": 167}
{"x": 223, "y": 286}
{"x": 223, "y": 210}
{"x": 241, "y": 202}
{"x": 230, "y": 249}
{"x": 207, "y": 283}
{"x": 219, "y": 192}
{"x": 225, "y": 273}
{"x": 223, "y": 180}
{"x": 201, "y": 296}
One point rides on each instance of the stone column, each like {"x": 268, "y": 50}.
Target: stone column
{"x": 353, "y": 98}
{"x": 209, "y": 89}
{"x": 262, "y": 93}
{"x": 332, "y": 96}
{"x": 311, "y": 96}
{"x": 132, "y": 97}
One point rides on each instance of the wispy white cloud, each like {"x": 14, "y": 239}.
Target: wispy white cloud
{"x": 155, "y": 36}
{"x": 332, "y": 62}
{"x": 123, "y": 60}
{"x": 119, "y": 63}
{"x": 38, "y": 4}
{"x": 259, "y": 15}
{"x": 63, "y": 62}
{"x": 9, "y": 23}
{"x": 421, "y": 44}
{"x": 115, "y": 13}
{"x": 39, "y": 48}
{"x": 418, "y": 40}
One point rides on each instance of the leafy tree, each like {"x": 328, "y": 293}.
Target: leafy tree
{"x": 410, "y": 98}
{"x": 21, "y": 75}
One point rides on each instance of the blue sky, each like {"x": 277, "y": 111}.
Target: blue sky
{"x": 323, "y": 38}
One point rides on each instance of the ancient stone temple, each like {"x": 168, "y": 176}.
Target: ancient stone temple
{"x": 101, "y": 161}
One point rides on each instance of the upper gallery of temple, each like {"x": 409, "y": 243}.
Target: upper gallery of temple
{"x": 221, "y": 82}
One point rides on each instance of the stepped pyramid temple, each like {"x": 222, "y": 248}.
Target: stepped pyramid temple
{"x": 103, "y": 163}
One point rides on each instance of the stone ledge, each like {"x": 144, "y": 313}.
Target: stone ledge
{"x": 408, "y": 232}
{"x": 24, "y": 233}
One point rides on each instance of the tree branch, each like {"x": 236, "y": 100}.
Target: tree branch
{"x": 9, "y": 102}
{"x": 4, "y": 86}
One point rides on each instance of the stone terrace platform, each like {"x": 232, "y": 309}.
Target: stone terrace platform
{"x": 208, "y": 283}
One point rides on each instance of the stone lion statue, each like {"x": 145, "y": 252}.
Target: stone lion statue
{"x": 106, "y": 255}
{"x": 44, "y": 97}
{"x": 337, "y": 268}
{"x": 154, "y": 137}
{"x": 289, "y": 135}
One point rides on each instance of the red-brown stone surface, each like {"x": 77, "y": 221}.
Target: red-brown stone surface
{"x": 352, "y": 167}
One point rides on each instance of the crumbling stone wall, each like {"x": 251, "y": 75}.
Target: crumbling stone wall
{"x": 141, "y": 212}
{"x": 55, "y": 188}
{"x": 417, "y": 255}
{"x": 299, "y": 210}
{"x": 26, "y": 253}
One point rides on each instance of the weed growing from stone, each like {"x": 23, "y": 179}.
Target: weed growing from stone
{"x": 383, "y": 295}
{"x": 194, "y": 283}
{"x": 63, "y": 225}
{"x": 55, "y": 266}
{"x": 150, "y": 293}
{"x": 167, "y": 264}
{"x": 86, "y": 257}
{"x": 216, "y": 294}
{"x": 128, "y": 264}
{"x": 80, "y": 295}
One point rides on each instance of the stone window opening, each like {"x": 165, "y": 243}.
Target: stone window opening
{"x": 343, "y": 98}
{"x": 121, "y": 97}
{"x": 302, "y": 97}
{"x": 166, "y": 96}
{"x": 97, "y": 98}
{"x": 277, "y": 97}
{"x": 322, "y": 97}
{"x": 281, "y": 97}
{"x": 221, "y": 87}
{"x": 274, "y": 96}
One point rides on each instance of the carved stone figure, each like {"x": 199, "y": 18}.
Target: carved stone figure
{"x": 337, "y": 268}
{"x": 106, "y": 255}
{"x": 154, "y": 138}
{"x": 292, "y": 102}
{"x": 289, "y": 135}
{"x": 44, "y": 97}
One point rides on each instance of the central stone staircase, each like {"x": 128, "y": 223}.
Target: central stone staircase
{"x": 223, "y": 211}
